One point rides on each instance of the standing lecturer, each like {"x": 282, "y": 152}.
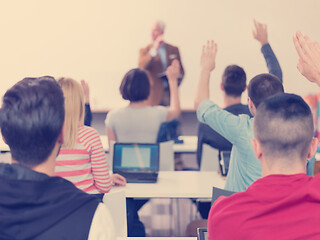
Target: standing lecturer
{"x": 155, "y": 58}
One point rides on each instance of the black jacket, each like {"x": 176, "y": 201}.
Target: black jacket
{"x": 36, "y": 206}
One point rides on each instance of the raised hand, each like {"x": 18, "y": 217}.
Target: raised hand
{"x": 260, "y": 32}
{"x": 173, "y": 71}
{"x": 158, "y": 42}
{"x": 85, "y": 88}
{"x": 309, "y": 57}
{"x": 208, "y": 56}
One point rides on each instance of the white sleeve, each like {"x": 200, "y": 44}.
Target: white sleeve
{"x": 102, "y": 226}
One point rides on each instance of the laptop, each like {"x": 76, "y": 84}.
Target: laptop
{"x": 137, "y": 162}
{"x": 202, "y": 234}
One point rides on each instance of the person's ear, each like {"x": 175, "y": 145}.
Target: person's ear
{"x": 256, "y": 145}
{"x": 251, "y": 106}
{"x": 61, "y": 135}
{"x": 221, "y": 87}
{"x": 313, "y": 147}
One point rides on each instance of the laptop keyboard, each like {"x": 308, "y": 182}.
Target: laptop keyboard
{"x": 139, "y": 177}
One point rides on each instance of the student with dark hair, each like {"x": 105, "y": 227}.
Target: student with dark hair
{"x": 244, "y": 167}
{"x": 285, "y": 202}
{"x": 34, "y": 204}
{"x": 140, "y": 122}
{"x": 233, "y": 84}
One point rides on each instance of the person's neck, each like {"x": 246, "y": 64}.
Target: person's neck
{"x": 297, "y": 166}
{"x": 139, "y": 104}
{"x": 48, "y": 166}
{"x": 229, "y": 100}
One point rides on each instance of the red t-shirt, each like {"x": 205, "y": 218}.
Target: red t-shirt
{"x": 273, "y": 207}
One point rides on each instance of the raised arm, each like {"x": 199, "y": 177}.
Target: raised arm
{"x": 260, "y": 33}
{"x": 144, "y": 57}
{"x": 173, "y": 72}
{"x": 207, "y": 64}
{"x": 146, "y": 54}
{"x": 87, "y": 109}
{"x": 309, "y": 57}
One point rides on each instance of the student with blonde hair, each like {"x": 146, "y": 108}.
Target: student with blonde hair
{"x": 82, "y": 159}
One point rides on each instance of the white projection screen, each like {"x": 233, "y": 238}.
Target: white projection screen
{"x": 99, "y": 40}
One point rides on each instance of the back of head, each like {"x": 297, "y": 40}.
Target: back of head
{"x": 135, "y": 86}
{"x": 74, "y": 105}
{"x": 264, "y": 86}
{"x": 234, "y": 80}
{"x": 284, "y": 126}
{"x": 31, "y": 119}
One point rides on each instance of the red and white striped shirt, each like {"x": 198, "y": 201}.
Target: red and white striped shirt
{"x": 86, "y": 164}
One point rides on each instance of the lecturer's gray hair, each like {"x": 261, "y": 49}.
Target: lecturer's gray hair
{"x": 161, "y": 25}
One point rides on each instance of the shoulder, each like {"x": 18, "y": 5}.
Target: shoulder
{"x": 169, "y": 46}
{"x": 238, "y": 109}
{"x": 85, "y": 133}
{"x": 159, "y": 108}
{"x": 115, "y": 113}
{"x": 102, "y": 226}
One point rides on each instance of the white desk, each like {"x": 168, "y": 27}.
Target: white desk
{"x": 189, "y": 144}
{"x": 176, "y": 184}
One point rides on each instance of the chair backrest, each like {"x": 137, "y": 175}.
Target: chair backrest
{"x": 217, "y": 192}
{"x": 209, "y": 158}
{"x": 110, "y": 155}
{"x": 224, "y": 160}
{"x": 166, "y": 160}
{"x": 115, "y": 200}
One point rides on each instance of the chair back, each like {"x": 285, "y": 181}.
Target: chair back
{"x": 115, "y": 200}
{"x": 217, "y": 192}
{"x": 209, "y": 158}
{"x": 224, "y": 160}
{"x": 110, "y": 155}
{"x": 166, "y": 158}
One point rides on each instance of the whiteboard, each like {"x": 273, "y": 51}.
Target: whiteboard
{"x": 99, "y": 40}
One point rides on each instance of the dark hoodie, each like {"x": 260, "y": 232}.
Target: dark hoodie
{"x": 36, "y": 206}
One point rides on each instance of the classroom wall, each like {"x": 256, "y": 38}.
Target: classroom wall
{"x": 99, "y": 40}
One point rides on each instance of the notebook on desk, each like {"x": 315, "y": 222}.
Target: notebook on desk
{"x": 137, "y": 162}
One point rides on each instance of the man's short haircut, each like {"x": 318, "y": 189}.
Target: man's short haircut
{"x": 234, "y": 80}
{"x": 284, "y": 126}
{"x": 263, "y": 86}
{"x": 31, "y": 119}
{"x": 161, "y": 25}
{"x": 135, "y": 85}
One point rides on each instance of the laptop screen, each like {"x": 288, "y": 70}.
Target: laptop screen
{"x": 136, "y": 156}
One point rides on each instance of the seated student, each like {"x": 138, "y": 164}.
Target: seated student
{"x": 33, "y": 203}
{"x": 233, "y": 84}
{"x": 244, "y": 167}
{"x": 285, "y": 202}
{"x": 140, "y": 122}
{"x": 82, "y": 159}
